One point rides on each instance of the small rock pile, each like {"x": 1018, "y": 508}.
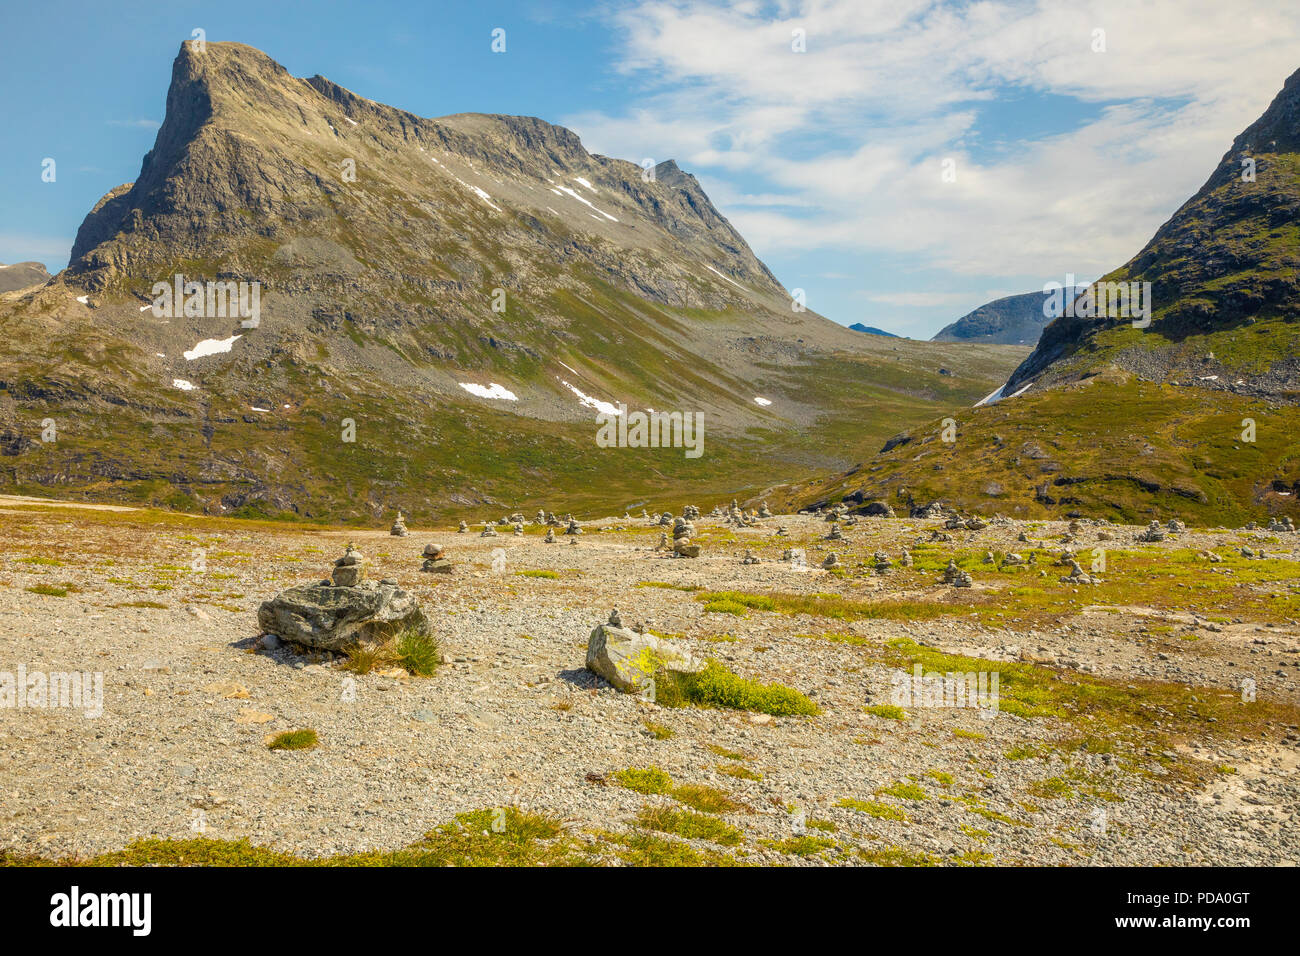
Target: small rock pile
{"x": 956, "y": 576}
{"x": 435, "y": 560}
{"x": 683, "y": 531}
{"x": 1153, "y": 533}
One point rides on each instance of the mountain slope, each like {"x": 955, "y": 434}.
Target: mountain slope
{"x": 22, "y": 275}
{"x": 1013, "y": 320}
{"x": 1225, "y": 280}
{"x": 1193, "y": 415}
{"x": 401, "y": 259}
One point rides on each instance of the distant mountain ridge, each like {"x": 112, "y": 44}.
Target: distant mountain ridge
{"x": 1013, "y": 320}
{"x": 872, "y": 330}
{"x": 22, "y": 275}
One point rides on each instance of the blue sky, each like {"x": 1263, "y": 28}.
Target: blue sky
{"x": 1069, "y": 148}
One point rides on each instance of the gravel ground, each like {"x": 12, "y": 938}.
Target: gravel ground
{"x": 190, "y": 695}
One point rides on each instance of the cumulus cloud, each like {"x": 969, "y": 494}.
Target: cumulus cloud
{"x": 843, "y": 147}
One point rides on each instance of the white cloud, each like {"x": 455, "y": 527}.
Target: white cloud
{"x": 839, "y": 148}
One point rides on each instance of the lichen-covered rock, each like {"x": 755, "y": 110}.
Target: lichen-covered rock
{"x": 629, "y": 660}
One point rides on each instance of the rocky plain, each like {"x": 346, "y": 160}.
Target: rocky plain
{"x": 1141, "y": 704}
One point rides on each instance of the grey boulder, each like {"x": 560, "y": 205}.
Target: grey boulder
{"x": 330, "y": 618}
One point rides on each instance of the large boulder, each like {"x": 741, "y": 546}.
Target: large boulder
{"x": 330, "y": 617}
{"x": 628, "y": 660}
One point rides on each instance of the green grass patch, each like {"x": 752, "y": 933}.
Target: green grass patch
{"x": 294, "y": 740}
{"x": 904, "y": 791}
{"x": 833, "y": 606}
{"x": 644, "y": 780}
{"x": 739, "y": 771}
{"x": 659, "y": 731}
{"x": 706, "y": 799}
{"x": 715, "y": 686}
{"x": 416, "y": 652}
{"x": 50, "y": 590}
{"x": 887, "y": 711}
{"x": 689, "y": 825}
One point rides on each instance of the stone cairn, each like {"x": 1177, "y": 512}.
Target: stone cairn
{"x": 956, "y": 576}
{"x": 1079, "y": 576}
{"x": 835, "y": 535}
{"x": 1285, "y": 525}
{"x": 488, "y": 530}
{"x": 1153, "y": 533}
{"x": 683, "y": 531}
{"x": 463, "y": 528}
{"x": 663, "y": 542}
{"x": 764, "y": 512}
{"x": 782, "y": 532}
{"x": 550, "y": 536}
{"x": 519, "y": 527}
{"x": 832, "y": 561}
{"x": 342, "y": 610}
{"x": 435, "y": 560}
{"x": 883, "y": 564}
{"x": 749, "y": 558}
{"x": 691, "y": 513}
{"x": 349, "y": 569}
{"x": 906, "y": 559}
{"x": 399, "y": 527}
{"x": 573, "y": 527}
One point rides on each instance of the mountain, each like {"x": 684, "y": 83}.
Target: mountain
{"x": 22, "y": 275}
{"x": 871, "y": 330}
{"x": 1185, "y": 409}
{"x": 1224, "y": 275}
{"x": 1014, "y": 320}
{"x": 436, "y": 309}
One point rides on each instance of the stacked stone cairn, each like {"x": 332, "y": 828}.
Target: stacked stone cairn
{"x": 956, "y": 576}
{"x": 683, "y": 531}
{"x": 435, "y": 560}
